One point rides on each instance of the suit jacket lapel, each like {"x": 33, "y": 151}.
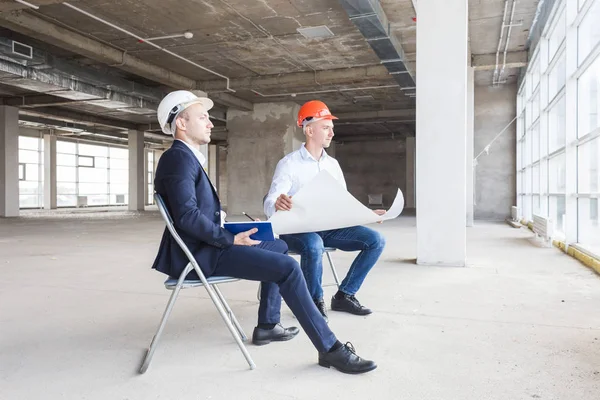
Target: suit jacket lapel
{"x": 202, "y": 171}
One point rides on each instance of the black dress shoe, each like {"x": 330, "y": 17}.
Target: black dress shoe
{"x": 322, "y": 309}
{"x": 346, "y": 360}
{"x": 277, "y": 334}
{"x": 350, "y": 304}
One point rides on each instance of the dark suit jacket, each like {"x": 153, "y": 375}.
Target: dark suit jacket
{"x": 195, "y": 209}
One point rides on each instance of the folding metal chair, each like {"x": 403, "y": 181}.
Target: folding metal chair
{"x": 211, "y": 287}
{"x": 327, "y": 250}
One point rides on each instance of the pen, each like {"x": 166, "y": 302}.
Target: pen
{"x": 252, "y": 219}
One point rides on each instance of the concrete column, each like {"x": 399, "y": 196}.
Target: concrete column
{"x": 470, "y": 179}
{"x": 409, "y": 196}
{"x": 50, "y": 192}
{"x": 137, "y": 170}
{"x": 213, "y": 165}
{"x": 157, "y": 155}
{"x": 257, "y": 140}
{"x": 9, "y": 161}
{"x": 204, "y": 151}
{"x": 441, "y": 132}
{"x": 223, "y": 186}
{"x": 146, "y": 192}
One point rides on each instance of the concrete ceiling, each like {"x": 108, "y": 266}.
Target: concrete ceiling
{"x": 84, "y": 69}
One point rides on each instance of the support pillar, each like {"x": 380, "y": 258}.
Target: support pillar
{"x": 410, "y": 173}
{"x": 50, "y": 186}
{"x": 470, "y": 146}
{"x": 9, "y": 161}
{"x": 213, "y": 165}
{"x": 137, "y": 168}
{"x": 441, "y": 132}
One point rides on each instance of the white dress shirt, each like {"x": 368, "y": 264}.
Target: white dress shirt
{"x": 295, "y": 170}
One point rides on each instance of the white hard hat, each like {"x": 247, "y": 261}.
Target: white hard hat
{"x": 174, "y": 103}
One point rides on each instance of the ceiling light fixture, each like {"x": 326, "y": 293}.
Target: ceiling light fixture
{"x": 28, "y": 4}
{"x": 187, "y": 35}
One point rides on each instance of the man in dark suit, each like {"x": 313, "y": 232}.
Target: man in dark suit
{"x": 196, "y": 211}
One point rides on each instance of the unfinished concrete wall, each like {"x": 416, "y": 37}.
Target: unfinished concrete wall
{"x": 373, "y": 167}
{"x": 257, "y": 140}
{"x": 495, "y": 173}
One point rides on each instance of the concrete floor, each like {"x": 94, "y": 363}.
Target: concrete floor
{"x": 80, "y": 304}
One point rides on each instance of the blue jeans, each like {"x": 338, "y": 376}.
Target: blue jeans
{"x": 310, "y": 246}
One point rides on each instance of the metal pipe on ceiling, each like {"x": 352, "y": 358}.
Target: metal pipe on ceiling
{"x": 294, "y": 94}
{"x": 510, "y": 26}
{"x": 505, "y": 24}
{"x": 500, "y": 42}
{"x": 147, "y": 41}
{"x": 27, "y": 4}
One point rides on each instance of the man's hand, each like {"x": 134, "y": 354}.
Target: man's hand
{"x": 243, "y": 238}
{"x": 283, "y": 203}
{"x": 379, "y": 212}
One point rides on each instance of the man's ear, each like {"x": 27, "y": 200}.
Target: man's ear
{"x": 308, "y": 131}
{"x": 180, "y": 124}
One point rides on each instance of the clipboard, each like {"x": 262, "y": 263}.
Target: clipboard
{"x": 265, "y": 229}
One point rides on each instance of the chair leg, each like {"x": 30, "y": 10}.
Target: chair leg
{"x": 215, "y": 299}
{"x": 335, "y": 275}
{"x": 231, "y": 314}
{"x": 161, "y": 326}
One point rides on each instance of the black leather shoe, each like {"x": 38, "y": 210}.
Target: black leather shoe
{"x": 346, "y": 360}
{"x": 322, "y": 309}
{"x": 261, "y": 337}
{"x": 349, "y": 304}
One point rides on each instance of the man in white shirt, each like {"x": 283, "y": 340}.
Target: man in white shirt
{"x": 291, "y": 173}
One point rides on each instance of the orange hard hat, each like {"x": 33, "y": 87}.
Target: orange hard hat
{"x": 314, "y": 109}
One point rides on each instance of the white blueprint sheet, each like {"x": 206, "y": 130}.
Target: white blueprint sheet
{"x": 324, "y": 204}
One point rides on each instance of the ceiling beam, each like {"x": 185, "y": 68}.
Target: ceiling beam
{"x": 487, "y": 62}
{"x": 376, "y": 114}
{"x": 38, "y": 100}
{"x": 38, "y": 28}
{"x": 228, "y": 100}
{"x": 371, "y": 137}
{"x": 59, "y": 114}
{"x": 322, "y": 77}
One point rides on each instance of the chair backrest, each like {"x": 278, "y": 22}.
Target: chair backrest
{"x": 169, "y": 221}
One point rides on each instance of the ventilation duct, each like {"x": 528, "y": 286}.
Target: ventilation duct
{"x": 369, "y": 18}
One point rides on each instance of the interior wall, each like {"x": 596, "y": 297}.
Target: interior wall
{"x": 373, "y": 167}
{"x": 495, "y": 173}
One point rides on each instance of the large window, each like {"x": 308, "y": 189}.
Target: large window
{"x": 557, "y": 77}
{"x": 588, "y": 33}
{"x": 557, "y": 126}
{"x": 557, "y": 37}
{"x": 91, "y": 175}
{"x": 588, "y": 105}
{"x": 558, "y": 135}
{"x": 66, "y": 173}
{"x": 589, "y": 189}
{"x": 119, "y": 176}
{"x": 31, "y": 175}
